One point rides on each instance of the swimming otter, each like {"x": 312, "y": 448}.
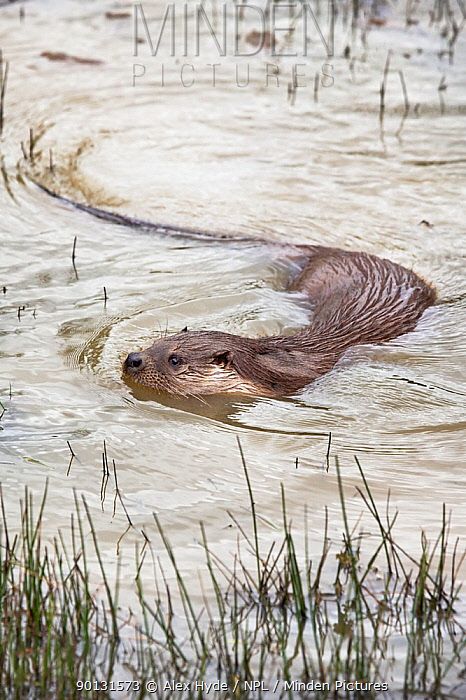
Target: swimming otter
{"x": 356, "y": 298}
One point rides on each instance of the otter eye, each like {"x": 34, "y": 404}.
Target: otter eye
{"x": 174, "y": 360}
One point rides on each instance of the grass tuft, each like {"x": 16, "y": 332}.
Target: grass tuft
{"x": 370, "y": 612}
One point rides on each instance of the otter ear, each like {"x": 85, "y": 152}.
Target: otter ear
{"x": 223, "y": 358}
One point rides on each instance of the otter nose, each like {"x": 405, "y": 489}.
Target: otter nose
{"x": 134, "y": 360}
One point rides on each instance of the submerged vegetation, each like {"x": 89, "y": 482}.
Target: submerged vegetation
{"x": 271, "y": 616}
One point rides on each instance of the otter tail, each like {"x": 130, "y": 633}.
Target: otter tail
{"x": 141, "y": 224}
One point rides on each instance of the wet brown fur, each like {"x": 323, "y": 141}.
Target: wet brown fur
{"x": 356, "y": 298}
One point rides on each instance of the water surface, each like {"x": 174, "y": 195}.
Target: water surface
{"x": 240, "y": 161}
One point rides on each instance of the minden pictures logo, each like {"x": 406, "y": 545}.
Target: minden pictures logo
{"x": 273, "y": 44}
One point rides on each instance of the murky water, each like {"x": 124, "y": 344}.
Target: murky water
{"x": 245, "y": 161}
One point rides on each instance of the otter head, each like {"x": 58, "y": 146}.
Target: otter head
{"x": 192, "y": 363}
